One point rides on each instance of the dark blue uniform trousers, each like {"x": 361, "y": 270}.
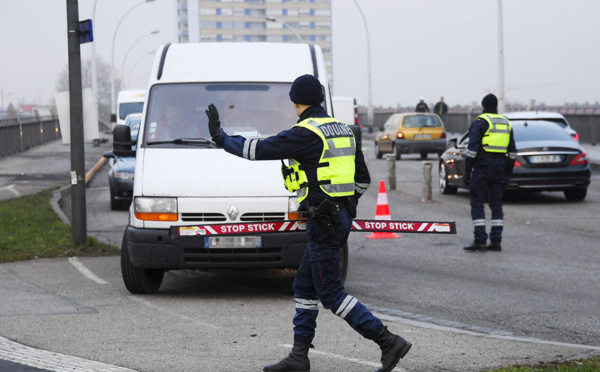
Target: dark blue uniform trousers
{"x": 318, "y": 280}
{"x": 487, "y": 180}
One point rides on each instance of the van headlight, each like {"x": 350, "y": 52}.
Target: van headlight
{"x": 155, "y": 209}
{"x": 293, "y": 206}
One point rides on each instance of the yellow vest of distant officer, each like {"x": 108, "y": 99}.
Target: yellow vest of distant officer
{"x": 335, "y": 170}
{"x": 497, "y": 137}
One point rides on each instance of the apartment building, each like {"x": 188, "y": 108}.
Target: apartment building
{"x": 290, "y": 21}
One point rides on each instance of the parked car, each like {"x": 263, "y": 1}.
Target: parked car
{"x": 122, "y": 169}
{"x": 548, "y": 159}
{"x": 553, "y": 117}
{"x": 411, "y": 132}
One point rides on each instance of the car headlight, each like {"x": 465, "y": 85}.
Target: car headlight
{"x": 124, "y": 175}
{"x": 155, "y": 209}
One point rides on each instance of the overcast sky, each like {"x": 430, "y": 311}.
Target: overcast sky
{"x": 418, "y": 48}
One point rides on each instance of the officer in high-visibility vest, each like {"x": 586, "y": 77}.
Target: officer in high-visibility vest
{"x": 491, "y": 156}
{"x": 329, "y": 176}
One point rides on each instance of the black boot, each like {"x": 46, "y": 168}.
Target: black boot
{"x": 494, "y": 246}
{"x": 474, "y": 246}
{"x": 297, "y": 361}
{"x": 393, "y": 347}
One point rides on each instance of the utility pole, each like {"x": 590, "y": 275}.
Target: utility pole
{"x": 78, "y": 208}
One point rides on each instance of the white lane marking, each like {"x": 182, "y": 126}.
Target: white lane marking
{"x": 353, "y": 360}
{"x": 500, "y": 335}
{"x": 17, "y": 353}
{"x": 85, "y": 271}
{"x": 161, "y": 309}
{"x": 11, "y": 188}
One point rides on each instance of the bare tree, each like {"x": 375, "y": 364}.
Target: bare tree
{"x": 62, "y": 84}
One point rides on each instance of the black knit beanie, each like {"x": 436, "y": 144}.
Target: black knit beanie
{"x": 306, "y": 90}
{"x": 489, "y": 102}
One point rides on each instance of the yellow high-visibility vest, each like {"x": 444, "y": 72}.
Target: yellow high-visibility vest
{"x": 497, "y": 137}
{"x": 335, "y": 170}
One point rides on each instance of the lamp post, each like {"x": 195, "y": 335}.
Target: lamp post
{"x": 286, "y": 25}
{"x": 94, "y": 67}
{"x": 129, "y": 50}
{"x": 113, "y": 102}
{"x": 369, "y": 91}
{"x": 138, "y": 62}
{"x": 501, "y": 102}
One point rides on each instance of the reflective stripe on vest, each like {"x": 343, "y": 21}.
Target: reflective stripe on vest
{"x": 335, "y": 171}
{"x": 497, "y": 136}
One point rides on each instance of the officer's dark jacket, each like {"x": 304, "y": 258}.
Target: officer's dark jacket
{"x": 295, "y": 143}
{"x": 476, "y": 132}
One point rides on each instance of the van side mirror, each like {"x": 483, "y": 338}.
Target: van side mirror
{"x": 113, "y": 118}
{"x": 122, "y": 142}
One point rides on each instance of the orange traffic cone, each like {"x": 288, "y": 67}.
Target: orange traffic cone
{"x": 383, "y": 213}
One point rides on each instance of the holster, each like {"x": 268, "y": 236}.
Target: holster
{"x": 325, "y": 216}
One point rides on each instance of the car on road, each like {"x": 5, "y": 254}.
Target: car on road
{"x": 122, "y": 169}
{"x": 411, "y": 132}
{"x": 553, "y": 117}
{"x": 548, "y": 159}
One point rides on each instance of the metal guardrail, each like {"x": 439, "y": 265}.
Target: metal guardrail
{"x": 585, "y": 120}
{"x": 19, "y": 134}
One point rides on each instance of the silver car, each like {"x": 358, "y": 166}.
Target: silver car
{"x": 553, "y": 117}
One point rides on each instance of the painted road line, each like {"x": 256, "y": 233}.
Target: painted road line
{"x": 172, "y": 313}
{"x": 51, "y": 361}
{"x": 12, "y": 189}
{"x": 85, "y": 271}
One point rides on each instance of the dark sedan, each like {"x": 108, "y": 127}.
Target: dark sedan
{"x": 548, "y": 159}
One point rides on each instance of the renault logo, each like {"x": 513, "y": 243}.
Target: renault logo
{"x": 544, "y": 149}
{"x": 233, "y": 212}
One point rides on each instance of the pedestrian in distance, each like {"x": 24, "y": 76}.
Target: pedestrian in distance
{"x": 491, "y": 155}
{"x": 441, "y": 109}
{"x": 329, "y": 176}
{"x": 422, "y": 106}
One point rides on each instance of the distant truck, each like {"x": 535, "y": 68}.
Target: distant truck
{"x": 129, "y": 102}
{"x": 346, "y": 111}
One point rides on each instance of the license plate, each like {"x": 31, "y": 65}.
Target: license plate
{"x": 422, "y": 136}
{"x": 232, "y": 242}
{"x": 536, "y": 159}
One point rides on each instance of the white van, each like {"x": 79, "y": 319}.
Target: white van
{"x": 182, "y": 178}
{"x": 129, "y": 102}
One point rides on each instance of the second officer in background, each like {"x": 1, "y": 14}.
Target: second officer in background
{"x": 491, "y": 155}
{"x": 328, "y": 175}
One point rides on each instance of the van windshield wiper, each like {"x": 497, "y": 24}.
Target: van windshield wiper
{"x": 184, "y": 141}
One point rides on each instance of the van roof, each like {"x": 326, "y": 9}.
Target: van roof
{"x": 225, "y": 61}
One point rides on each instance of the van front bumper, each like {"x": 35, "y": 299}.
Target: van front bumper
{"x": 156, "y": 249}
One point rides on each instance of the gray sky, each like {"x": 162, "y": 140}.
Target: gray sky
{"x": 424, "y": 48}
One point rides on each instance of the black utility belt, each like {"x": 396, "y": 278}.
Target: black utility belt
{"x": 488, "y": 155}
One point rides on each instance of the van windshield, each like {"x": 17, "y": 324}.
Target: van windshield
{"x": 127, "y": 108}
{"x": 249, "y": 109}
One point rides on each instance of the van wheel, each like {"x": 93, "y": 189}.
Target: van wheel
{"x": 576, "y": 194}
{"x": 138, "y": 281}
{"x": 423, "y": 155}
{"x": 344, "y": 262}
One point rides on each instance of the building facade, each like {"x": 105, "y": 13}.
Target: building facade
{"x": 290, "y": 21}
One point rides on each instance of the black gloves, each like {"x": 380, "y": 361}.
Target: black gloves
{"x": 467, "y": 178}
{"x": 214, "y": 125}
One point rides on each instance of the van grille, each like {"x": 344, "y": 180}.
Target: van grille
{"x": 203, "y": 217}
{"x": 226, "y": 257}
{"x": 262, "y": 217}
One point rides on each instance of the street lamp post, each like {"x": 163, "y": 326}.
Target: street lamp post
{"x": 113, "y": 103}
{"x": 286, "y": 25}
{"x": 369, "y": 91}
{"x": 501, "y": 102}
{"x": 129, "y": 50}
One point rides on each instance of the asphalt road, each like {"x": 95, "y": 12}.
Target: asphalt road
{"x": 537, "y": 300}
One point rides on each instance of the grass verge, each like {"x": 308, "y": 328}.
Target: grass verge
{"x": 584, "y": 365}
{"x": 30, "y": 229}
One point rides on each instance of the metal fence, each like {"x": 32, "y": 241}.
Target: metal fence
{"x": 585, "y": 120}
{"x": 19, "y": 134}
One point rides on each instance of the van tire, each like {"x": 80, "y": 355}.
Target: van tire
{"x": 138, "y": 281}
{"x": 344, "y": 262}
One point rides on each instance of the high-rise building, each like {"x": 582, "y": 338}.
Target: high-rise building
{"x": 257, "y": 20}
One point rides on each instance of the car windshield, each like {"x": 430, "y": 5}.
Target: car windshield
{"x": 420, "y": 121}
{"x": 127, "y": 108}
{"x": 250, "y": 109}
{"x": 538, "y": 130}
